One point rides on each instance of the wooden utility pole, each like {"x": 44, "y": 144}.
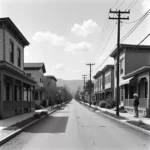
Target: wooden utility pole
{"x": 90, "y": 64}
{"x": 119, "y": 13}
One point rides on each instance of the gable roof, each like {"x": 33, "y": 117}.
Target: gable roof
{"x": 129, "y": 46}
{"x": 33, "y": 66}
{"x": 7, "y": 22}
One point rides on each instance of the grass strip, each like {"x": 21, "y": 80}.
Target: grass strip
{"x": 140, "y": 124}
{"x": 113, "y": 115}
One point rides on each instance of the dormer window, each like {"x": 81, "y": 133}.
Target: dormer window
{"x": 11, "y": 50}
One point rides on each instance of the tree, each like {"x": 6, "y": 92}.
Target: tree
{"x": 88, "y": 83}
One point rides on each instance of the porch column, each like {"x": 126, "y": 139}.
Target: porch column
{"x": 148, "y": 98}
{"x": 128, "y": 94}
{"x": 13, "y": 92}
{"x": 1, "y": 100}
{"x": 30, "y": 98}
{"x": 22, "y": 96}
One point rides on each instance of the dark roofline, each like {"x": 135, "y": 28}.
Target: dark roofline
{"x": 136, "y": 72}
{"x": 52, "y": 77}
{"x": 43, "y": 67}
{"x": 127, "y": 46}
{"x": 107, "y": 67}
{"x": 9, "y": 21}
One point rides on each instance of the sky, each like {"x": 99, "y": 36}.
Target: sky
{"x": 67, "y": 34}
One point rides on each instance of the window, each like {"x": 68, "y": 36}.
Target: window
{"x": 7, "y": 91}
{"x": 121, "y": 67}
{"x": 11, "y": 49}
{"x": 28, "y": 74}
{"x": 19, "y": 57}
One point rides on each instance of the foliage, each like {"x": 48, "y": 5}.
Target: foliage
{"x": 89, "y": 85}
{"x": 102, "y": 104}
{"x": 110, "y": 102}
{"x": 37, "y": 107}
{"x": 44, "y": 103}
{"x": 108, "y": 106}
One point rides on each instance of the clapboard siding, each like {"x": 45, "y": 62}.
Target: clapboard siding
{"x": 9, "y": 37}
{"x": 1, "y": 45}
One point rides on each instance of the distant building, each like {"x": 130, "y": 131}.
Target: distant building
{"x": 13, "y": 82}
{"x": 36, "y": 71}
{"x": 104, "y": 83}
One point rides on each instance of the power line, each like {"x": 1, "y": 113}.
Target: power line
{"x": 131, "y": 6}
{"x": 135, "y": 26}
{"x": 107, "y": 41}
{"x": 115, "y": 4}
{"x": 121, "y": 4}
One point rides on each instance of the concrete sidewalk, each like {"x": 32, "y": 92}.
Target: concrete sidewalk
{"x": 13, "y": 120}
{"x": 126, "y": 115}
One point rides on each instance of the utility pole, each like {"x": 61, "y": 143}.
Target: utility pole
{"x": 90, "y": 64}
{"x": 84, "y": 77}
{"x": 119, "y": 13}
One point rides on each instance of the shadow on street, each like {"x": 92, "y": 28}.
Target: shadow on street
{"x": 49, "y": 124}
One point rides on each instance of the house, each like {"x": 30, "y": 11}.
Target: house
{"x": 132, "y": 58}
{"x": 104, "y": 83}
{"x": 108, "y": 72}
{"x": 13, "y": 81}
{"x": 50, "y": 88}
{"x": 36, "y": 71}
{"x": 141, "y": 86}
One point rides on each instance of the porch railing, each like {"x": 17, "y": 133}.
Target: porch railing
{"x": 129, "y": 102}
{"x": 18, "y": 104}
{"x": 26, "y": 104}
{"x": 8, "y": 105}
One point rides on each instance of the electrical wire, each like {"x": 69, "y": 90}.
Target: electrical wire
{"x": 121, "y": 4}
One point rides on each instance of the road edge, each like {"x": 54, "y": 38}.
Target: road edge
{"x": 17, "y": 132}
{"x": 126, "y": 123}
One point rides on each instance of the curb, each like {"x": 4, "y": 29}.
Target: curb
{"x": 126, "y": 123}
{"x": 17, "y": 132}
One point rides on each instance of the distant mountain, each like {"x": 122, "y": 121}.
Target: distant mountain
{"x": 71, "y": 84}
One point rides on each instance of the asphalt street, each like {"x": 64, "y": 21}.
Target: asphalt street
{"x": 75, "y": 127}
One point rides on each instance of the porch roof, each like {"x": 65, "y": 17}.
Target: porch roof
{"x": 136, "y": 72}
{"x": 126, "y": 81}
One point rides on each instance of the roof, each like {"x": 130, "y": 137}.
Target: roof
{"x": 35, "y": 66}
{"x": 51, "y": 77}
{"x": 136, "y": 72}
{"x": 97, "y": 74}
{"x": 107, "y": 67}
{"x": 10, "y": 25}
{"x": 129, "y": 46}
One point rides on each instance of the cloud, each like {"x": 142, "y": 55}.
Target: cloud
{"x": 82, "y": 61}
{"x": 59, "y": 67}
{"x": 54, "y": 39}
{"x": 86, "y": 28}
{"x": 146, "y": 5}
{"x": 78, "y": 47}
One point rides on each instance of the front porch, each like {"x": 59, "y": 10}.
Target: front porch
{"x": 16, "y": 94}
{"x": 141, "y": 88}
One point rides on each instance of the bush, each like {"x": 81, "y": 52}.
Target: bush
{"x": 108, "y": 106}
{"x": 37, "y": 107}
{"x": 102, "y": 104}
{"x": 37, "y": 115}
{"x": 111, "y": 102}
{"x": 44, "y": 113}
{"x": 44, "y": 103}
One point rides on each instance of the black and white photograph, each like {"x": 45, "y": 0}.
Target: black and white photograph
{"x": 74, "y": 74}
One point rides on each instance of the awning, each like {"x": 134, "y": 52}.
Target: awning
{"x": 127, "y": 81}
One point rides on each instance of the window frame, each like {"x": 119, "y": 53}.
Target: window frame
{"x": 11, "y": 54}
{"x": 18, "y": 57}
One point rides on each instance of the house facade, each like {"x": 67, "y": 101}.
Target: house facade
{"x": 36, "y": 71}
{"x": 13, "y": 82}
{"x": 141, "y": 86}
{"x": 104, "y": 83}
{"x": 132, "y": 58}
